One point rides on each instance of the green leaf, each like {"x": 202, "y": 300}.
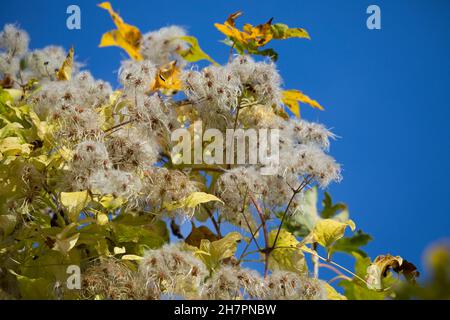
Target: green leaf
{"x": 34, "y": 289}
{"x": 331, "y": 210}
{"x": 138, "y": 236}
{"x": 282, "y": 31}
{"x": 7, "y": 224}
{"x": 352, "y": 244}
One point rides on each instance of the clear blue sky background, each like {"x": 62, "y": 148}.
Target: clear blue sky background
{"x": 385, "y": 92}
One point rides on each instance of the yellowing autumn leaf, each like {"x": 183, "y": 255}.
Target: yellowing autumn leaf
{"x": 109, "y": 202}
{"x": 74, "y": 202}
{"x": 119, "y": 250}
{"x": 252, "y": 37}
{"x": 327, "y": 231}
{"x": 102, "y": 219}
{"x": 291, "y": 99}
{"x": 332, "y": 294}
{"x": 194, "y": 52}
{"x": 65, "y": 72}
{"x": 212, "y": 253}
{"x": 286, "y": 255}
{"x": 126, "y": 36}
{"x": 13, "y": 146}
{"x": 131, "y": 257}
{"x": 379, "y": 268}
{"x": 167, "y": 78}
{"x": 258, "y": 35}
{"x": 191, "y": 201}
{"x": 64, "y": 245}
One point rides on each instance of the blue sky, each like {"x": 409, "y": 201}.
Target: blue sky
{"x": 385, "y": 92}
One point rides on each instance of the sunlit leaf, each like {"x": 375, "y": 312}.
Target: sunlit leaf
{"x": 327, "y": 231}
{"x": 291, "y": 99}
{"x": 332, "y": 294}
{"x": 126, "y": 36}
{"x": 64, "y": 245}
{"x": 194, "y": 52}
{"x": 286, "y": 255}
{"x": 380, "y": 267}
{"x": 74, "y": 202}
{"x": 192, "y": 201}
{"x": 212, "y": 253}
{"x": 65, "y": 71}
{"x": 167, "y": 79}
{"x": 282, "y": 31}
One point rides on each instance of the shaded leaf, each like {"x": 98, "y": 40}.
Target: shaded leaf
{"x": 198, "y": 234}
{"x": 352, "y": 244}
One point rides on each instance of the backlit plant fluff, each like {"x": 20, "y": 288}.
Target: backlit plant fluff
{"x": 89, "y": 180}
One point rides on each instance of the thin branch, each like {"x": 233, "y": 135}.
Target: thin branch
{"x": 119, "y": 125}
{"x": 214, "y": 222}
{"x": 266, "y": 250}
{"x": 302, "y": 185}
{"x": 244, "y": 252}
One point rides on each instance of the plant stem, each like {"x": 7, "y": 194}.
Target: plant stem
{"x": 302, "y": 185}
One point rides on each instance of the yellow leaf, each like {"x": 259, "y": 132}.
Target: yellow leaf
{"x": 131, "y": 257}
{"x": 167, "y": 78}
{"x": 332, "y": 294}
{"x": 65, "y": 72}
{"x": 257, "y": 36}
{"x": 194, "y": 53}
{"x": 74, "y": 202}
{"x": 379, "y": 268}
{"x": 327, "y": 231}
{"x": 15, "y": 94}
{"x": 102, "y": 219}
{"x": 43, "y": 128}
{"x": 126, "y": 36}
{"x": 291, "y": 99}
{"x": 109, "y": 202}
{"x": 13, "y": 146}
{"x": 118, "y": 250}
{"x": 66, "y": 244}
{"x": 212, "y": 253}
{"x": 191, "y": 201}
{"x": 287, "y": 257}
